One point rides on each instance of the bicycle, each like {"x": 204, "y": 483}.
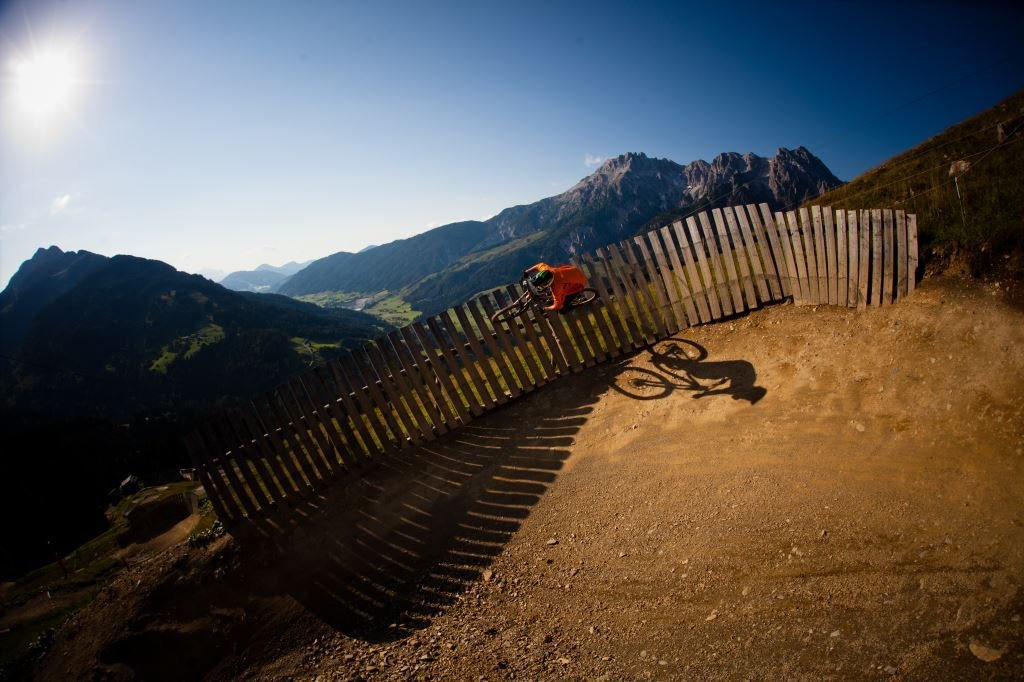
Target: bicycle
{"x": 540, "y": 298}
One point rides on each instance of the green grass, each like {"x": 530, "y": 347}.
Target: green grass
{"x": 300, "y": 347}
{"x": 207, "y": 336}
{"x": 919, "y": 181}
{"x": 334, "y": 299}
{"x": 386, "y": 305}
{"x": 394, "y": 310}
{"x": 187, "y": 346}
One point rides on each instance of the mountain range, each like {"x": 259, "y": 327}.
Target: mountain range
{"x": 264, "y": 279}
{"x": 115, "y": 337}
{"x": 625, "y": 195}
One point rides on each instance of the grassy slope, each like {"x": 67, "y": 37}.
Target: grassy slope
{"x": 919, "y": 181}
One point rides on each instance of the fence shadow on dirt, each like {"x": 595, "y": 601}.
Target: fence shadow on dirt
{"x": 381, "y": 556}
{"x": 681, "y": 364}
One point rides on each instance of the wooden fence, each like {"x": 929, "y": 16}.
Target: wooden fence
{"x": 432, "y": 376}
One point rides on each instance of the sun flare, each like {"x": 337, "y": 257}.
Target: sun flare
{"x": 44, "y": 84}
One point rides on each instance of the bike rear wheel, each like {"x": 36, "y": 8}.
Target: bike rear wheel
{"x": 585, "y": 297}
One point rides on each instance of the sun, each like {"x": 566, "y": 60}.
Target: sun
{"x": 44, "y": 84}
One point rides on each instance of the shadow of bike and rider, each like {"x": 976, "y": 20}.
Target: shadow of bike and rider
{"x": 380, "y": 554}
{"x": 681, "y": 364}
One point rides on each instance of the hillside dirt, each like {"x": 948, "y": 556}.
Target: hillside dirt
{"x": 799, "y": 493}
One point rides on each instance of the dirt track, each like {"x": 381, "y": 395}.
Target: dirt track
{"x": 827, "y": 494}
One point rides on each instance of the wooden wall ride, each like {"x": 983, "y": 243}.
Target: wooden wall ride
{"x": 432, "y": 376}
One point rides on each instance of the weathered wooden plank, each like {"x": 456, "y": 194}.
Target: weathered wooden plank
{"x": 223, "y": 504}
{"x": 237, "y": 458}
{"x": 727, "y": 253}
{"x": 901, "y": 254}
{"x": 666, "y": 247}
{"x": 445, "y": 381}
{"x": 864, "y": 258}
{"x": 431, "y": 382}
{"x": 415, "y": 414}
{"x": 911, "y": 252}
{"x": 463, "y": 355}
{"x": 286, "y": 447}
{"x": 566, "y": 335}
{"x": 307, "y": 447}
{"x": 651, "y": 268}
{"x": 227, "y": 468}
{"x": 293, "y": 488}
{"x": 386, "y": 409}
{"x": 252, "y": 452}
{"x": 232, "y": 463}
{"x": 820, "y": 253}
{"x": 832, "y": 264}
{"x": 670, "y": 281}
{"x": 311, "y": 417}
{"x": 633, "y": 326}
{"x": 262, "y": 456}
{"x": 637, "y": 289}
{"x": 353, "y": 450}
{"x": 703, "y": 262}
{"x": 320, "y": 420}
{"x": 575, "y": 332}
{"x": 459, "y": 381}
{"x": 483, "y": 361}
{"x": 492, "y": 346}
{"x": 421, "y": 384}
{"x": 853, "y": 269}
{"x": 803, "y": 277}
{"x": 515, "y": 335}
{"x": 353, "y": 384}
{"x": 291, "y": 448}
{"x": 518, "y": 340}
{"x": 623, "y": 341}
{"x": 697, "y": 287}
{"x": 381, "y": 406}
{"x": 774, "y": 251}
{"x": 710, "y": 245}
{"x": 817, "y": 286}
{"x": 405, "y": 418}
{"x": 782, "y": 251}
{"x": 508, "y": 352}
{"x": 888, "y": 257}
{"x": 586, "y": 335}
{"x": 753, "y": 252}
{"x": 526, "y": 321}
{"x": 608, "y": 344}
{"x": 588, "y": 339}
{"x": 350, "y": 400}
{"x": 842, "y": 273}
{"x": 877, "y": 256}
{"x": 741, "y": 256}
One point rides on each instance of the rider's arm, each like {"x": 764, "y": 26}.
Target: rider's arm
{"x": 557, "y": 299}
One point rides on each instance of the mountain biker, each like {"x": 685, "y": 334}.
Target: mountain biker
{"x": 564, "y": 281}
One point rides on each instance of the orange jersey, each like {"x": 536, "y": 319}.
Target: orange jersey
{"x": 568, "y": 280}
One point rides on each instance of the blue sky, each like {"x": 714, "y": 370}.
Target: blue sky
{"x": 220, "y": 135}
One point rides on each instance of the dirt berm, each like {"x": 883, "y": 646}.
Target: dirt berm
{"x": 798, "y": 494}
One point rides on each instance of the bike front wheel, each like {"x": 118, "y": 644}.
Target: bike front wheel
{"x": 512, "y": 310}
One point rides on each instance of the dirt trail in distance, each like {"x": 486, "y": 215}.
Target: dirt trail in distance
{"x": 826, "y": 495}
